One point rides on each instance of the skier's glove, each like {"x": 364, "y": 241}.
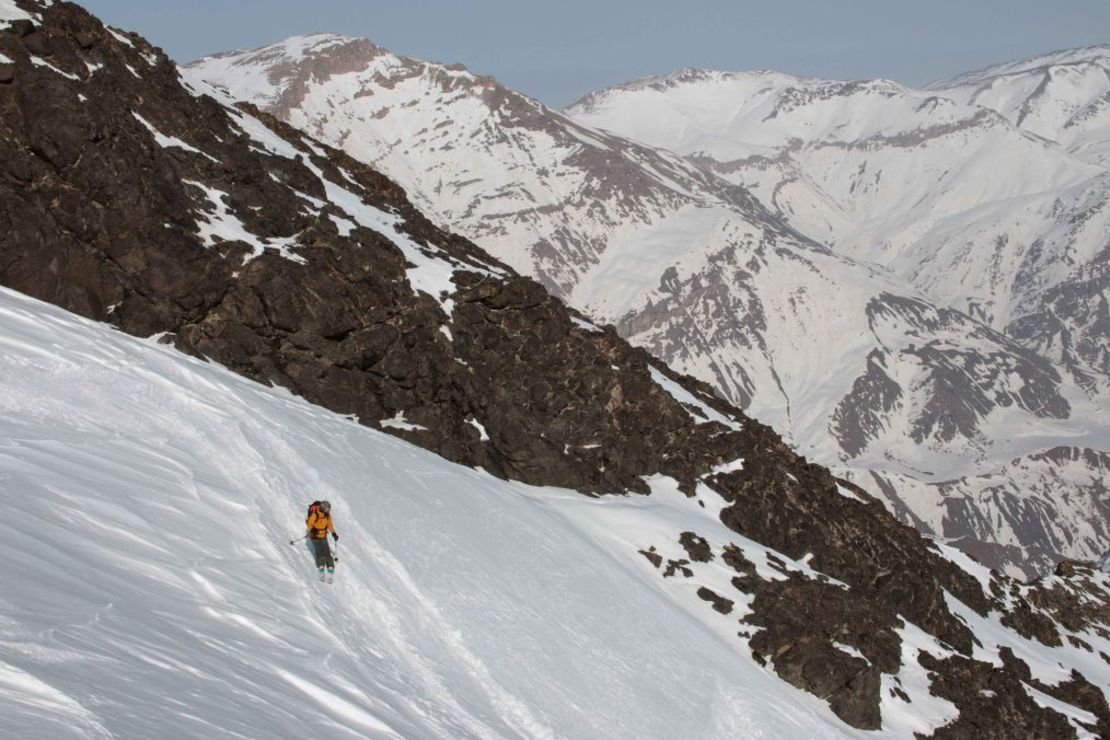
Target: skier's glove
{"x": 335, "y": 536}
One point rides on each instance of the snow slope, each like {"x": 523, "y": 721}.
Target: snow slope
{"x": 150, "y": 590}
{"x": 695, "y": 270}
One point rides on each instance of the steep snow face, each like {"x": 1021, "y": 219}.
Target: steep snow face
{"x": 693, "y": 268}
{"x": 150, "y": 588}
{"x": 977, "y": 210}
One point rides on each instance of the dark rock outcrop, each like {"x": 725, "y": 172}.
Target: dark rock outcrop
{"x": 720, "y": 603}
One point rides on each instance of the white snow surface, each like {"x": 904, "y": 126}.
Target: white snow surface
{"x": 149, "y": 589}
{"x": 924, "y": 711}
{"x": 483, "y": 435}
{"x": 40, "y": 62}
{"x": 170, "y": 141}
{"x": 983, "y": 192}
{"x": 398, "y": 421}
{"x": 1074, "y": 714}
{"x": 261, "y": 133}
{"x": 9, "y": 12}
{"x": 1063, "y": 96}
{"x": 222, "y": 225}
{"x": 120, "y": 38}
{"x": 702, "y": 412}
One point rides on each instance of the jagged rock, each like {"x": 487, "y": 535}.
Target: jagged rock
{"x": 992, "y": 702}
{"x": 22, "y": 27}
{"x": 1076, "y": 597}
{"x": 1081, "y": 693}
{"x": 696, "y": 547}
{"x": 734, "y": 558}
{"x": 1032, "y": 623}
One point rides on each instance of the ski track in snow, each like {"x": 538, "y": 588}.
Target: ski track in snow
{"x": 149, "y": 589}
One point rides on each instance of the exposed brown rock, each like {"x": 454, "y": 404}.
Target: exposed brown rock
{"x": 720, "y": 603}
{"x": 696, "y": 547}
{"x": 992, "y": 702}
{"x": 653, "y": 557}
{"x": 678, "y": 566}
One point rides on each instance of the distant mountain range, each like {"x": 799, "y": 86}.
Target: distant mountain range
{"x": 989, "y": 193}
{"x": 910, "y": 286}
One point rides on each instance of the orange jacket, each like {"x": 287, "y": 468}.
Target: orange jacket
{"x": 319, "y": 524}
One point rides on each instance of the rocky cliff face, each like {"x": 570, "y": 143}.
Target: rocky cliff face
{"x": 127, "y": 198}
{"x": 691, "y": 267}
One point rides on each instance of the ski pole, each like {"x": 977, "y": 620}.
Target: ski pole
{"x": 293, "y": 542}
{"x": 335, "y": 555}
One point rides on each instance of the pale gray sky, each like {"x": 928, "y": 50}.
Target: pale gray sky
{"x": 556, "y": 50}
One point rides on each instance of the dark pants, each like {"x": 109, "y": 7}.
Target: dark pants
{"x": 323, "y": 553}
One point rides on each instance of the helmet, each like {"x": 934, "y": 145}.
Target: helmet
{"x": 325, "y": 506}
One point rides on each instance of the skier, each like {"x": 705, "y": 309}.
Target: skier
{"x": 319, "y": 524}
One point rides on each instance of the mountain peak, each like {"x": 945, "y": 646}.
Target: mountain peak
{"x": 292, "y": 49}
{"x": 757, "y": 78}
{"x": 677, "y": 78}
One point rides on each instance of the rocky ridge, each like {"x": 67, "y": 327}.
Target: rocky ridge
{"x": 127, "y": 198}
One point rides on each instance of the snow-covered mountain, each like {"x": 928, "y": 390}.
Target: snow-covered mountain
{"x": 856, "y": 363}
{"x": 1063, "y": 97}
{"x": 982, "y": 215}
{"x": 709, "y": 576}
{"x": 473, "y": 154}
